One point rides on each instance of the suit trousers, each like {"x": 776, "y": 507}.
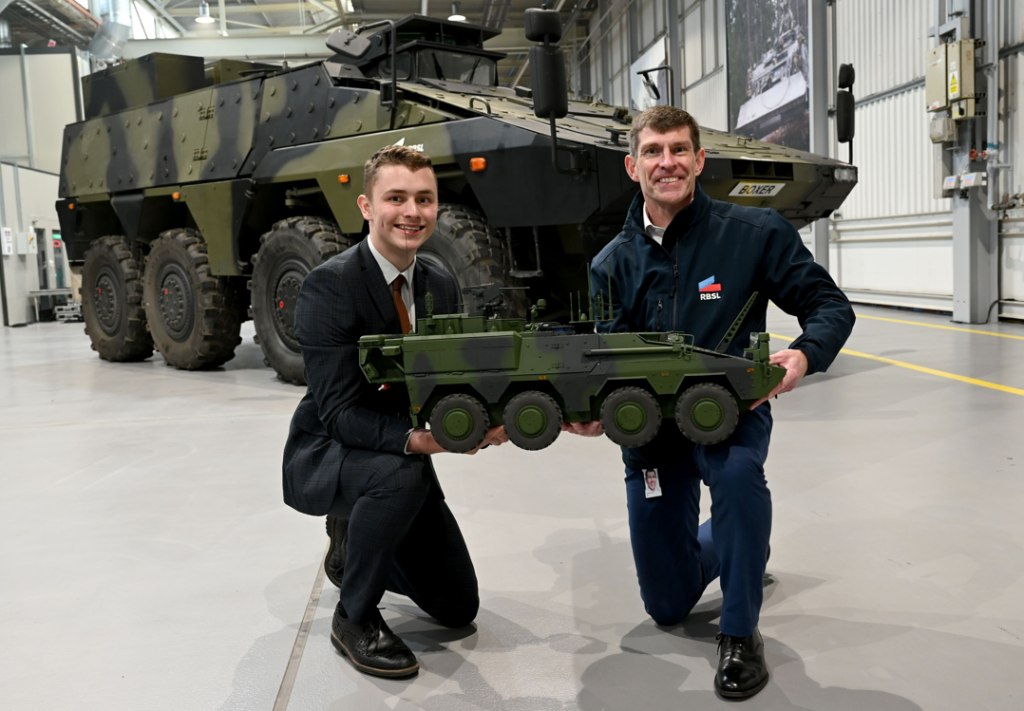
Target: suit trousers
{"x": 402, "y": 537}
{"x": 675, "y": 558}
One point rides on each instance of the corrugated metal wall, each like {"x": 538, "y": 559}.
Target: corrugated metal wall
{"x": 707, "y": 101}
{"x": 894, "y": 157}
{"x": 884, "y": 40}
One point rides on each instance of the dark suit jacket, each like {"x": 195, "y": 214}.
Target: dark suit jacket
{"x": 345, "y": 298}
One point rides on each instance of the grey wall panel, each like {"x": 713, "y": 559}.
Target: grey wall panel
{"x": 706, "y": 100}
{"x": 884, "y": 40}
{"x": 894, "y": 158}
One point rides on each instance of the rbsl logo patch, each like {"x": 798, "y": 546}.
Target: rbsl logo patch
{"x": 709, "y": 289}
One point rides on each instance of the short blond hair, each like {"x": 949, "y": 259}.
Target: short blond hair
{"x": 662, "y": 119}
{"x": 393, "y": 155}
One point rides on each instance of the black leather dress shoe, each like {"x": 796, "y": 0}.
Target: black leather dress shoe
{"x": 334, "y": 563}
{"x": 372, "y": 647}
{"x": 742, "y": 670}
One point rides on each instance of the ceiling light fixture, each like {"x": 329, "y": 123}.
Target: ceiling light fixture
{"x": 204, "y": 14}
{"x": 456, "y": 16}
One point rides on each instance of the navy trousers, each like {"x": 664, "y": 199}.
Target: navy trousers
{"x": 676, "y": 558}
{"x": 402, "y": 537}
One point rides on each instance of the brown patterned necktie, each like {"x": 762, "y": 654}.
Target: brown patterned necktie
{"x": 403, "y": 313}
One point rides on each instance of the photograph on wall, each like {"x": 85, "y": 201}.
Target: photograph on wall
{"x": 769, "y": 89}
{"x": 644, "y": 95}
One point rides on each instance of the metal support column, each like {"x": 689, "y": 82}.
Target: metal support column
{"x": 819, "y": 80}
{"x": 27, "y": 97}
{"x": 975, "y": 231}
{"x": 674, "y": 55}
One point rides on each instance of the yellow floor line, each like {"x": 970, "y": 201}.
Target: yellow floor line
{"x": 945, "y": 328}
{"x": 922, "y": 369}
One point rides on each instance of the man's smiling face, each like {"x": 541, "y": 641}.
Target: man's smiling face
{"x": 402, "y": 212}
{"x": 666, "y": 167}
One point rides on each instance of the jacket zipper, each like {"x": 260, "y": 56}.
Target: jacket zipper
{"x": 675, "y": 282}
{"x": 657, "y": 317}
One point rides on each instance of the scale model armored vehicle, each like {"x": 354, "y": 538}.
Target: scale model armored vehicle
{"x": 467, "y": 373}
{"x": 194, "y": 197}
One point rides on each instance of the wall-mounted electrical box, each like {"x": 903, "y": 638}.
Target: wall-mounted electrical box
{"x": 935, "y": 79}
{"x": 941, "y": 129}
{"x": 960, "y": 84}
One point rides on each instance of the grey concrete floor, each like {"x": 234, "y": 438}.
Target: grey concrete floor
{"x": 147, "y": 562}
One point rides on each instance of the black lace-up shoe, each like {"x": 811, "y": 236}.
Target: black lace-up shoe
{"x": 334, "y": 563}
{"x": 742, "y": 670}
{"x": 372, "y": 647}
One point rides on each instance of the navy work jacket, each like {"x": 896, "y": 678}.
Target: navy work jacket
{"x": 714, "y": 255}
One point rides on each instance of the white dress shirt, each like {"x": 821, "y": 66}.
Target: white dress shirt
{"x": 390, "y": 274}
{"x": 653, "y": 231}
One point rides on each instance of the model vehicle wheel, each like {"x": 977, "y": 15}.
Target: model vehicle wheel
{"x": 459, "y": 423}
{"x": 707, "y": 413}
{"x": 192, "y": 314}
{"x": 467, "y": 248}
{"x": 290, "y": 251}
{"x": 630, "y": 417}
{"x": 112, "y": 301}
{"x": 532, "y": 420}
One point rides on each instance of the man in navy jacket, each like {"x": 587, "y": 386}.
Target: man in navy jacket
{"x": 685, "y": 262}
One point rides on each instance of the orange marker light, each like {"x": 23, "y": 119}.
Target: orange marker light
{"x": 343, "y": 179}
{"x": 71, "y": 206}
{"x": 175, "y": 195}
{"x": 477, "y": 164}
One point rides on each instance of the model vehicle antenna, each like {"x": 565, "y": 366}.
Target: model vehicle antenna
{"x": 735, "y": 327}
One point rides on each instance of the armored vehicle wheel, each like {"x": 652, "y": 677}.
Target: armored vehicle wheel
{"x": 112, "y": 301}
{"x": 630, "y": 417}
{"x": 532, "y": 420}
{"x": 459, "y": 423}
{"x": 193, "y": 315}
{"x": 468, "y": 249}
{"x": 707, "y": 413}
{"x": 290, "y": 251}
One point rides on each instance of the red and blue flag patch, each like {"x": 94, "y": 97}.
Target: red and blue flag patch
{"x": 709, "y": 285}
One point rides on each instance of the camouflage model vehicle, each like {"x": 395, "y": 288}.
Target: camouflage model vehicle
{"x": 467, "y": 373}
{"x": 194, "y": 197}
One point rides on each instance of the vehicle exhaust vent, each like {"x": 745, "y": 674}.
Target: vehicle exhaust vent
{"x": 762, "y": 169}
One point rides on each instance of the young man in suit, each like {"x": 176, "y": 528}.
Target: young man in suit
{"x": 352, "y": 452}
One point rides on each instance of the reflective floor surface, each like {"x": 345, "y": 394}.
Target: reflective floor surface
{"x": 148, "y": 562}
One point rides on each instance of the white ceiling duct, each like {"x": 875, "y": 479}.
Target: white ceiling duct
{"x": 116, "y": 28}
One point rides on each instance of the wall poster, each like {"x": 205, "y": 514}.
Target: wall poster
{"x": 769, "y": 89}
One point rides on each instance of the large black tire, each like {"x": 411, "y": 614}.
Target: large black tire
{"x": 193, "y": 315}
{"x": 707, "y": 413}
{"x": 467, "y": 248}
{"x": 630, "y": 416}
{"x": 290, "y": 251}
{"x": 532, "y": 420}
{"x": 112, "y": 301}
{"x": 459, "y": 423}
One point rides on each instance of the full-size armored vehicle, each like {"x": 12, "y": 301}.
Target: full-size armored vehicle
{"x": 194, "y": 197}
{"x": 467, "y": 373}
{"x": 777, "y": 93}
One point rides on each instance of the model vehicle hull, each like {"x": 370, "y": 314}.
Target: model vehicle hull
{"x": 493, "y": 362}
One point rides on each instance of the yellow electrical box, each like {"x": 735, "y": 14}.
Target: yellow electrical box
{"x": 960, "y": 78}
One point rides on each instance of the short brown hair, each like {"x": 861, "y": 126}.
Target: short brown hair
{"x": 393, "y": 155}
{"x": 662, "y": 119}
